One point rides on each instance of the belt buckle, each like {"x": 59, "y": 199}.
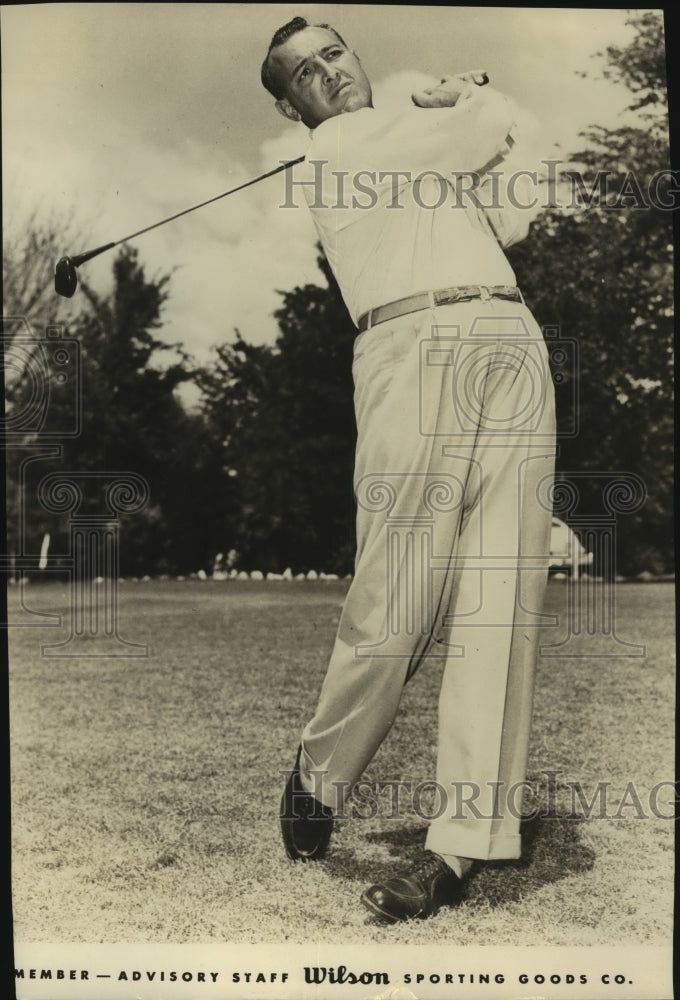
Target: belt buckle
{"x": 447, "y": 297}
{"x": 469, "y": 292}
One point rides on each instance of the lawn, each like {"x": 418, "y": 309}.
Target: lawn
{"x": 146, "y": 789}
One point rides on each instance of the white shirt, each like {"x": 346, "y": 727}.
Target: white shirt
{"x": 380, "y": 241}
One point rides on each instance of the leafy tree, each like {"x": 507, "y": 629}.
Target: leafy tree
{"x": 30, "y": 250}
{"x": 132, "y": 421}
{"x": 641, "y": 65}
{"x": 604, "y": 275}
{"x": 31, "y": 247}
{"x": 285, "y": 419}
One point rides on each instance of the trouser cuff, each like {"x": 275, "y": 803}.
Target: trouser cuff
{"x": 457, "y": 842}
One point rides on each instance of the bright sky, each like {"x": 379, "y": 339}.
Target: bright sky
{"x": 116, "y": 115}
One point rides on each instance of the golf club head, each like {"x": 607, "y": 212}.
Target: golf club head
{"x": 65, "y": 274}
{"x": 65, "y": 278}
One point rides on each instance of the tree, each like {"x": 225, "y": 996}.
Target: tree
{"x": 604, "y": 275}
{"x": 285, "y": 419}
{"x": 641, "y": 65}
{"x": 131, "y": 420}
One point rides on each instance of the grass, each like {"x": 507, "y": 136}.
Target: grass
{"x": 146, "y": 790}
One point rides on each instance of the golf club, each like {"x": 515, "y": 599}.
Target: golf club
{"x": 66, "y": 274}
{"x": 65, "y": 271}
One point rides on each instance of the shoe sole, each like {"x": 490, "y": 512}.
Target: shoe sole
{"x": 286, "y": 822}
{"x": 377, "y": 911}
{"x": 295, "y": 854}
{"x": 385, "y": 915}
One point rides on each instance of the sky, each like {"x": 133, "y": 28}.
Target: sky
{"x": 116, "y": 115}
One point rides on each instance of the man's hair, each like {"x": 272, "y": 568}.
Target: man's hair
{"x": 269, "y": 81}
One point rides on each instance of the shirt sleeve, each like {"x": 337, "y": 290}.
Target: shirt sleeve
{"x": 509, "y": 194}
{"x": 460, "y": 139}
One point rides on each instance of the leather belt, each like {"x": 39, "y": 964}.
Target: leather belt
{"x": 440, "y": 297}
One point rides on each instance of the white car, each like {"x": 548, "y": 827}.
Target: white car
{"x": 566, "y": 551}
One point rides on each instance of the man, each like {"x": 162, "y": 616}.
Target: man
{"x": 455, "y": 423}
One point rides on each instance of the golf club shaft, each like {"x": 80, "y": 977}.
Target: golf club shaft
{"x": 79, "y": 259}
{"x": 88, "y": 255}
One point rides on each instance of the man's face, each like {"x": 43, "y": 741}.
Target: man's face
{"x": 320, "y": 77}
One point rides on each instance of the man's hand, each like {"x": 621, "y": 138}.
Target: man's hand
{"x": 450, "y": 90}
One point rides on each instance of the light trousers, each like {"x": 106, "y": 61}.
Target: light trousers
{"x": 453, "y": 478}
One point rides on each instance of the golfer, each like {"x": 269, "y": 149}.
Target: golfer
{"x": 455, "y": 419}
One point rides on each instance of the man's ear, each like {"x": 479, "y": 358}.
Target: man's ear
{"x": 286, "y": 109}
